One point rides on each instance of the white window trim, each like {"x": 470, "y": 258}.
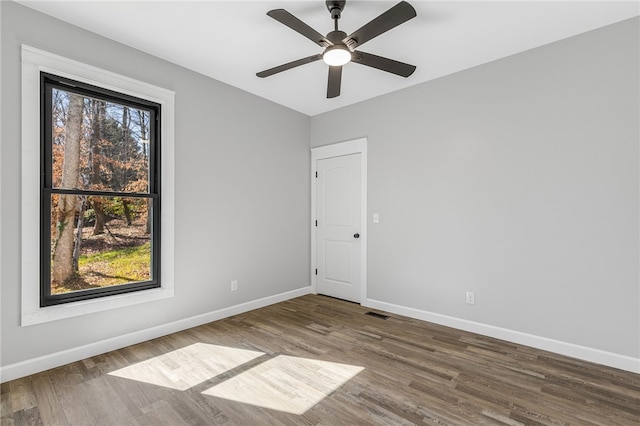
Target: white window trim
{"x": 33, "y": 62}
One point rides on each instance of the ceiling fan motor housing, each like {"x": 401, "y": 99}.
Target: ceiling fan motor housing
{"x": 335, "y": 8}
{"x": 336, "y": 37}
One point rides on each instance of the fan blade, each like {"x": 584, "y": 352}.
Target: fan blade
{"x": 335, "y": 78}
{"x": 393, "y": 17}
{"x": 288, "y": 66}
{"x": 384, "y": 64}
{"x": 298, "y": 26}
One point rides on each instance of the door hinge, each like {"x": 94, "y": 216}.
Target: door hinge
{"x": 316, "y": 271}
{"x": 316, "y": 174}
{"x": 316, "y": 223}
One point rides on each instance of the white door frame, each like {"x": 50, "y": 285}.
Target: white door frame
{"x": 356, "y": 146}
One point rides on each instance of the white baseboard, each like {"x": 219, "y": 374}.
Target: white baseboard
{"x": 36, "y": 365}
{"x": 598, "y": 356}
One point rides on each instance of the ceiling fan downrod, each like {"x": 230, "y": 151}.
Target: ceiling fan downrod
{"x": 335, "y": 9}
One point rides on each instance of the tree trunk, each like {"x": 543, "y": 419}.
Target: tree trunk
{"x": 67, "y": 204}
{"x": 125, "y": 149}
{"x": 143, "y": 136}
{"x": 147, "y": 229}
{"x": 96, "y": 136}
{"x": 98, "y": 227}
{"x": 78, "y": 245}
{"x": 127, "y": 211}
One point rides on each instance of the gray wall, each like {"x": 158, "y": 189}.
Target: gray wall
{"x": 242, "y": 191}
{"x": 517, "y": 180}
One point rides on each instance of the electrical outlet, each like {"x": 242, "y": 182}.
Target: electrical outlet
{"x": 234, "y": 285}
{"x": 471, "y": 298}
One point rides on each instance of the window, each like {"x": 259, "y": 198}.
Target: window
{"x": 100, "y": 193}
{"x": 118, "y": 173}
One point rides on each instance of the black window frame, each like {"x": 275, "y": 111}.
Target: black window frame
{"x": 48, "y": 82}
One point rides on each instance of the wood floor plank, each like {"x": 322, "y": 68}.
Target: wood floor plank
{"x": 49, "y": 406}
{"x": 22, "y": 395}
{"x": 407, "y": 372}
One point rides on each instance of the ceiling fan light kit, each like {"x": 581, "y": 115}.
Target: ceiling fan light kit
{"x": 340, "y": 48}
{"x": 336, "y": 55}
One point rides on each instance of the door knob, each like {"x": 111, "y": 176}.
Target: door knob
{"x": 356, "y": 235}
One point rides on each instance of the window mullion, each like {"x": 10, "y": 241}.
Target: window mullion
{"x": 89, "y": 192}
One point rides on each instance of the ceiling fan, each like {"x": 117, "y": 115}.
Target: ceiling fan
{"x": 340, "y": 48}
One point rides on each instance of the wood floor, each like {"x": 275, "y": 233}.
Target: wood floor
{"x": 317, "y": 360}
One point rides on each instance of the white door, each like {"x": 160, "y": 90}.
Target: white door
{"x": 338, "y": 204}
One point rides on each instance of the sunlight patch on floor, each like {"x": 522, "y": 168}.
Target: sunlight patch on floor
{"x": 286, "y": 383}
{"x": 188, "y": 366}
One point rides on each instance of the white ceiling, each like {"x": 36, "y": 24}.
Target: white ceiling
{"x": 232, "y": 40}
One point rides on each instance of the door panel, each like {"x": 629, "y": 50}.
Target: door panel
{"x": 338, "y": 201}
{"x": 338, "y": 213}
{"x": 338, "y": 260}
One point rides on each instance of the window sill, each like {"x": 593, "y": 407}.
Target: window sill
{"x": 69, "y": 310}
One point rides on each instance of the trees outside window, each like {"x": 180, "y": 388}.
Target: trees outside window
{"x": 100, "y": 192}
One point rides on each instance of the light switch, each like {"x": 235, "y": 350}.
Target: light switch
{"x": 376, "y": 218}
